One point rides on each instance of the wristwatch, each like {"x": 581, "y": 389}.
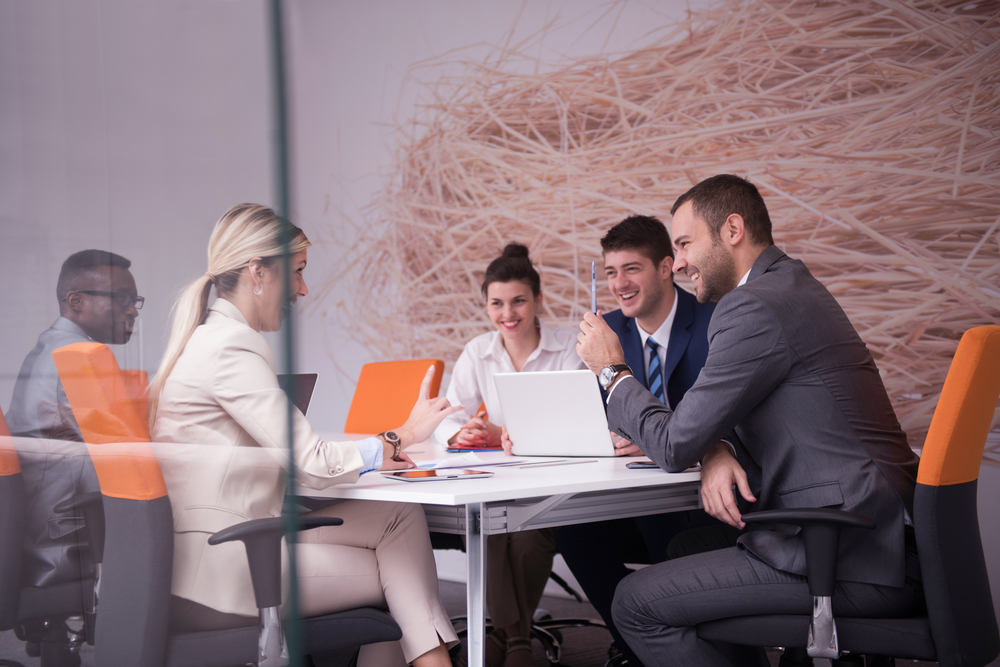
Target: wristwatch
{"x": 608, "y": 374}
{"x": 392, "y": 438}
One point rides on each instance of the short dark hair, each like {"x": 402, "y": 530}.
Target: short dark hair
{"x": 80, "y": 263}
{"x": 718, "y": 197}
{"x": 513, "y": 265}
{"x": 642, "y": 233}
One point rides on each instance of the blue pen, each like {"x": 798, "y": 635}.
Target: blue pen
{"x": 593, "y": 287}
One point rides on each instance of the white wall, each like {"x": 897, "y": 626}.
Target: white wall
{"x": 126, "y": 126}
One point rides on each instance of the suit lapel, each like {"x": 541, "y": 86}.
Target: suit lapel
{"x": 632, "y": 346}
{"x": 680, "y": 335}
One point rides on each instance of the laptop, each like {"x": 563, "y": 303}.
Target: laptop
{"x": 299, "y": 387}
{"x": 554, "y": 413}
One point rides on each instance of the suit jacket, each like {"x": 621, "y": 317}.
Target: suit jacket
{"x": 223, "y": 396}
{"x": 686, "y": 349}
{"x": 56, "y": 468}
{"x": 791, "y": 382}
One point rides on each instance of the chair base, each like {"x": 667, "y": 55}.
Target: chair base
{"x": 899, "y": 637}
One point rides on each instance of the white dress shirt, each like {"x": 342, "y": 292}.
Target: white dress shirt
{"x": 662, "y": 338}
{"x": 472, "y": 378}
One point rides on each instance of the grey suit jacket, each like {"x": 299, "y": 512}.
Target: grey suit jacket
{"x": 56, "y": 468}
{"x": 789, "y": 380}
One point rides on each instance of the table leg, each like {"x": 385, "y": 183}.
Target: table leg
{"x": 475, "y": 592}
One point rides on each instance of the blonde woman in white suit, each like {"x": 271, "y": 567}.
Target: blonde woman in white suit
{"x": 217, "y": 386}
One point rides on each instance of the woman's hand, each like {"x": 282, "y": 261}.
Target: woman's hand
{"x": 478, "y": 432}
{"x": 389, "y": 463}
{"x": 427, "y": 413}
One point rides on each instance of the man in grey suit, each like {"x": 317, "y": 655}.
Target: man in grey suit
{"x": 97, "y": 302}
{"x": 790, "y": 384}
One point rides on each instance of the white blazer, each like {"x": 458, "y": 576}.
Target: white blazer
{"x": 223, "y": 406}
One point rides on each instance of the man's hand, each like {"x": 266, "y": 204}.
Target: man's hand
{"x": 719, "y": 472}
{"x": 426, "y": 414}
{"x": 623, "y": 447}
{"x": 598, "y": 345}
{"x": 508, "y": 446}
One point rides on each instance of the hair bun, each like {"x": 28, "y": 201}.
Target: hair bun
{"x": 515, "y": 250}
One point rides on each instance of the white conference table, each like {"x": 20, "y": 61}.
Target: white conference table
{"x": 516, "y": 499}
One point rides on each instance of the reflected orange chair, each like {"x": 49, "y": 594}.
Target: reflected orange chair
{"x": 386, "y": 393}
{"x": 99, "y": 395}
{"x": 11, "y": 528}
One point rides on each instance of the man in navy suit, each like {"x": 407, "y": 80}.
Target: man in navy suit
{"x": 662, "y": 329}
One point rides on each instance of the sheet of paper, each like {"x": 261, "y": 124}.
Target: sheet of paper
{"x": 470, "y": 460}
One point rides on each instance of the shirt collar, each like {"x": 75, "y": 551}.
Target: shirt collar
{"x": 69, "y": 326}
{"x": 661, "y": 335}
{"x": 745, "y": 276}
{"x": 548, "y": 342}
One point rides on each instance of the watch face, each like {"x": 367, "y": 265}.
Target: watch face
{"x": 606, "y": 376}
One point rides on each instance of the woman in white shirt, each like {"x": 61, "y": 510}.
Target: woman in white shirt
{"x": 518, "y": 564}
{"x": 217, "y": 387}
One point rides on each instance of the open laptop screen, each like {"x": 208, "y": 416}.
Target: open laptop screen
{"x": 299, "y": 387}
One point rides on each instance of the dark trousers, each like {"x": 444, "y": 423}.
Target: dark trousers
{"x": 596, "y": 553}
{"x": 656, "y": 608}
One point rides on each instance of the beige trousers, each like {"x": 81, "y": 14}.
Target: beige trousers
{"x": 517, "y": 569}
{"x": 380, "y": 557}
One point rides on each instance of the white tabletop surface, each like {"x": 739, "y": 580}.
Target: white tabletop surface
{"x": 507, "y": 483}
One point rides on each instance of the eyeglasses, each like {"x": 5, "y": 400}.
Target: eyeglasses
{"x": 123, "y": 299}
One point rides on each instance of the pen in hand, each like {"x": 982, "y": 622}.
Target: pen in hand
{"x": 593, "y": 287}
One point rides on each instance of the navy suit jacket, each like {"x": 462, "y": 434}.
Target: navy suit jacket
{"x": 686, "y": 350}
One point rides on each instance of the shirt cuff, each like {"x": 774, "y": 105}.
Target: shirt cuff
{"x": 371, "y": 453}
{"x": 732, "y": 449}
{"x": 615, "y": 386}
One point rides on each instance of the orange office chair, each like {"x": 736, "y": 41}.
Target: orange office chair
{"x": 960, "y": 625}
{"x": 386, "y": 393}
{"x": 138, "y": 544}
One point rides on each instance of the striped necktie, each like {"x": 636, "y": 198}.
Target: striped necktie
{"x": 655, "y": 374}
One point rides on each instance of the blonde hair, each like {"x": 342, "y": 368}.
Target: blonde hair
{"x": 245, "y": 232}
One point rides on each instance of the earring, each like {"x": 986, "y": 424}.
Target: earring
{"x": 261, "y": 290}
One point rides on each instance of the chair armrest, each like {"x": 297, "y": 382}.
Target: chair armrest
{"x": 262, "y": 540}
{"x": 91, "y": 505}
{"x": 821, "y": 533}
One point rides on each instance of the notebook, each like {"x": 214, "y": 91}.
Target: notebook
{"x": 554, "y": 413}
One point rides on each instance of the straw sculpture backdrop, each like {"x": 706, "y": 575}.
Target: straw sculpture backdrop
{"x": 871, "y": 127}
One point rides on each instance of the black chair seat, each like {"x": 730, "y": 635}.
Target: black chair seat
{"x": 349, "y": 629}
{"x": 52, "y": 600}
{"x": 875, "y": 636}
{"x": 331, "y": 632}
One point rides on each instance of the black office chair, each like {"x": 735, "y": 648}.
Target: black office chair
{"x": 960, "y": 626}
{"x": 38, "y": 615}
{"x": 135, "y": 578}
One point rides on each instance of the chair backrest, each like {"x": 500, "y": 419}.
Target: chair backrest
{"x": 386, "y": 393}
{"x": 138, "y": 542}
{"x": 99, "y": 394}
{"x": 12, "y": 518}
{"x": 946, "y": 522}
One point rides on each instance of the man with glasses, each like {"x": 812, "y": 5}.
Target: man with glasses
{"x": 97, "y": 302}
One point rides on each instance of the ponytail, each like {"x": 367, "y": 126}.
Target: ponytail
{"x": 245, "y": 232}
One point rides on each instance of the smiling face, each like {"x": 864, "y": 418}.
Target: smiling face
{"x": 642, "y": 289}
{"x": 701, "y": 256}
{"x": 273, "y": 307}
{"x": 512, "y": 309}
{"x": 99, "y": 315}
